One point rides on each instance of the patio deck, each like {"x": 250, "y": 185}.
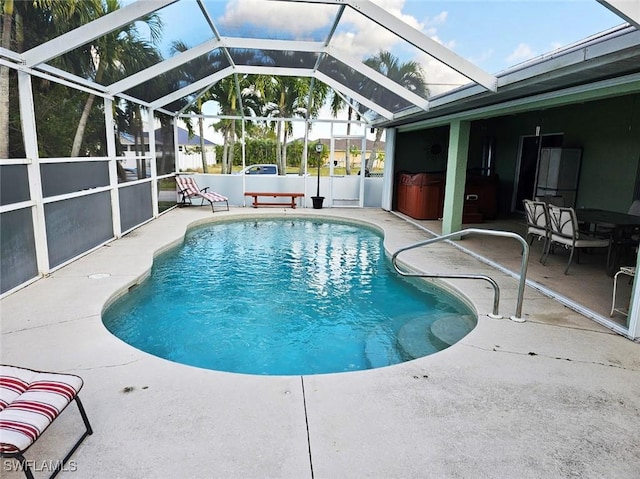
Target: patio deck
{"x": 587, "y": 283}
{"x": 556, "y": 396}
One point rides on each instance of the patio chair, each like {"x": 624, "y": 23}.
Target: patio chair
{"x": 564, "y": 231}
{"x": 29, "y": 402}
{"x": 626, "y": 270}
{"x": 537, "y": 223}
{"x": 557, "y": 200}
{"x": 188, "y": 189}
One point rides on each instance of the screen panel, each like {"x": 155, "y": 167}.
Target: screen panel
{"x": 135, "y": 205}
{"x": 76, "y": 225}
{"x": 18, "y": 261}
{"x": 14, "y": 184}
{"x": 63, "y": 178}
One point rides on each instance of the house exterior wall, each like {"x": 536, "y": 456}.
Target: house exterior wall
{"x": 608, "y": 131}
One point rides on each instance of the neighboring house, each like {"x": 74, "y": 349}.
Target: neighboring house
{"x": 355, "y": 151}
{"x": 186, "y": 143}
{"x": 189, "y": 156}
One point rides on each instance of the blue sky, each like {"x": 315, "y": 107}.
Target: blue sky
{"x": 498, "y": 34}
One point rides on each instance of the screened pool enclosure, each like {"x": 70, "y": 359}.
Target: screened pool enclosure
{"x": 94, "y": 93}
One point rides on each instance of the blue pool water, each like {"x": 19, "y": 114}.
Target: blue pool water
{"x": 285, "y": 297}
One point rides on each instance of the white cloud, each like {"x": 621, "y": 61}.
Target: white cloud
{"x": 483, "y": 57}
{"x": 439, "y": 19}
{"x": 440, "y": 77}
{"x": 362, "y": 37}
{"x": 521, "y": 53}
{"x": 294, "y": 18}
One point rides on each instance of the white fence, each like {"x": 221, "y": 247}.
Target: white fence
{"x": 193, "y": 161}
{"x": 340, "y": 191}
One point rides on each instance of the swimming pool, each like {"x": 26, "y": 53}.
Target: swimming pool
{"x": 285, "y": 297}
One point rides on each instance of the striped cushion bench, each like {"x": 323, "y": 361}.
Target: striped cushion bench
{"x": 29, "y": 402}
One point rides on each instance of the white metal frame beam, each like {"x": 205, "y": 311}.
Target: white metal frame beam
{"x": 320, "y": 48}
{"x": 92, "y": 30}
{"x": 297, "y": 72}
{"x": 279, "y": 45}
{"x": 355, "y": 96}
{"x": 373, "y": 12}
{"x": 626, "y": 9}
{"x": 416, "y": 38}
{"x": 271, "y": 44}
{"x": 163, "y": 67}
{"x": 379, "y": 78}
{"x": 276, "y": 71}
{"x": 194, "y": 87}
{"x": 59, "y": 77}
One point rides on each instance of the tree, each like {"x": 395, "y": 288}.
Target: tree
{"x": 288, "y": 97}
{"x": 5, "y": 42}
{"x": 115, "y": 55}
{"x": 337, "y": 104}
{"x": 225, "y": 92}
{"x": 408, "y": 75}
{"x": 28, "y": 24}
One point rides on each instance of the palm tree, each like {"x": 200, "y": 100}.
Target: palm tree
{"x": 5, "y": 42}
{"x": 287, "y": 97}
{"x": 115, "y": 54}
{"x": 336, "y": 105}
{"x": 408, "y": 75}
{"x": 347, "y": 76}
{"x": 193, "y": 71}
{"x": 225, "y": 93}
{"x": 28, "y": 24}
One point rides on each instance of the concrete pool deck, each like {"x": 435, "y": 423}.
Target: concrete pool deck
{"x": 555, "y": 396}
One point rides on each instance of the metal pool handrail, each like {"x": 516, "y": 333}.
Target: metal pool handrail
{"x": 496, "y": 297}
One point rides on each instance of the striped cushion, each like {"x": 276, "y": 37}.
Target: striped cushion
{"x": 29, "y": 402}
{"x": 214, "y": 197}
{"x": 189, "y": 187}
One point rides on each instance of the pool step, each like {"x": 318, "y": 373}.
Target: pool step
{"x": 380, "y": 350}
{"x": 425, "y": 335}
{"x": 414, "y": 337}
{"x": 451, "y": 328}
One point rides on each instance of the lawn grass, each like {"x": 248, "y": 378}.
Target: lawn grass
{"x": 292, "y": 170}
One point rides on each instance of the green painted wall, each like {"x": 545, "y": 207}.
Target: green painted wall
{"x": 422, "y": 151}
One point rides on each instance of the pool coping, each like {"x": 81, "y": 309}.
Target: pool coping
{"x": 552, "y": 396}
{"x": 457, "y": 297}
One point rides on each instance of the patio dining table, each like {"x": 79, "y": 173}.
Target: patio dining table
{"x": 621, "y": 226}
